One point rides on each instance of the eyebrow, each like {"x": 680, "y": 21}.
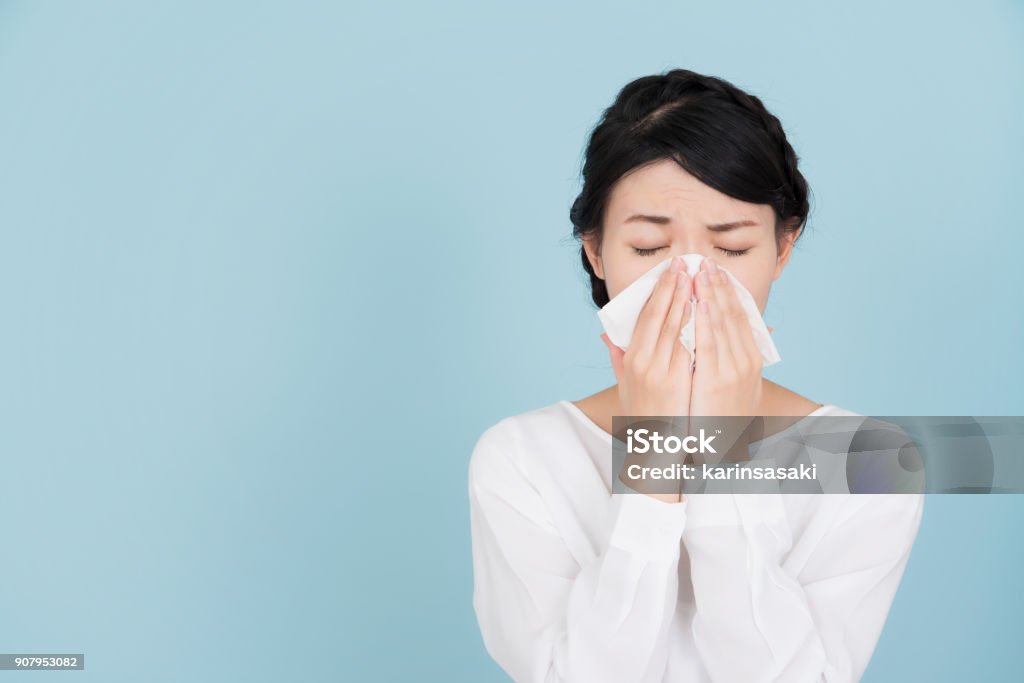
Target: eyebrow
{"x": 713, "y": 227}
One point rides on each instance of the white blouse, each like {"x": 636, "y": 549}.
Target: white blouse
{"x": 574, "y": 584}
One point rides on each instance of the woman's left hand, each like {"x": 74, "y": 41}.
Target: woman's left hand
{"x": 727, "y": 373}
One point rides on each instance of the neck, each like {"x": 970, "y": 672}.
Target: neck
{"x": 610, "y": 397}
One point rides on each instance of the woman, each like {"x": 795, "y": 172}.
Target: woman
{"x": 575, "y": 583}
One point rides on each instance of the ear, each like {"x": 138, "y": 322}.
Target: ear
{"x": 785, "y": 251}
{"x": 593, "y": 254}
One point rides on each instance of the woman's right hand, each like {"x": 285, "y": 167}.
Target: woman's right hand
{"x": 654, "y": 372}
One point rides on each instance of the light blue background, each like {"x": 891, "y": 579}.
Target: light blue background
{"x": 269, "y": 269}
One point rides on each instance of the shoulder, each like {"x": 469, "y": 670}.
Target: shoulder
{"x": 504, "y": 450}
{"x": 884, "y": 477}
{"x": 838, "y": 411}
{"x": 870, "y": 437}
{"x": 866, "y": 456}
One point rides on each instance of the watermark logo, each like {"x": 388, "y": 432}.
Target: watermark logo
{"x": 647, "y": 441}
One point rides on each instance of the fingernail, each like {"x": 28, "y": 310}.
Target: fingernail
{"x": 712, "y": 266}
{"x": 676, "y": 264}
{"x": 703, "y": 279}
{"x": 681, "y": 280}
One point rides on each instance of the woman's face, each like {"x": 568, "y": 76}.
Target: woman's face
{"x": 660, "y": 210}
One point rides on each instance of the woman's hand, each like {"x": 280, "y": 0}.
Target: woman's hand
{"x": 727, "y": 375}
{"x": 654, "y": 372}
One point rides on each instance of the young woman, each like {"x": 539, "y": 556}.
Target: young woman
{"x": 574, "y": 583}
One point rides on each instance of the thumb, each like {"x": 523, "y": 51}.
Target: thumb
{"x": 616, "y": 355}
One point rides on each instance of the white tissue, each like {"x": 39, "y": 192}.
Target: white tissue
{"x": 619, "y": 316}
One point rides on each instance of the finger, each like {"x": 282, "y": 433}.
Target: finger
{"x": 725, "y": 361}
{"x": 702, "y": 282}
{"x": 652, "y": 316}
{"x": 616, "y": 354}
{"x": 707, "y": 355}
{"x": 737, "y": 339}
{"x": 669, "y": 337}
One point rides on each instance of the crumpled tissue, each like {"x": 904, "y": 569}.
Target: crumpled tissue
{"x": 619, "y": 316}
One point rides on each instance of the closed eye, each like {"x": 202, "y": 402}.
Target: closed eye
{"x": 653, "y": 250}
{"x": 647, "y": 252}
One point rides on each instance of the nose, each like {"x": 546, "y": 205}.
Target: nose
{"x": 692, "y": 259}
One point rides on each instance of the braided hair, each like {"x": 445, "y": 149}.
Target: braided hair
{"x": 721, "y": 135}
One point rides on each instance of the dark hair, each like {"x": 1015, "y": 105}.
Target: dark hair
{"x": 719, "y": 134}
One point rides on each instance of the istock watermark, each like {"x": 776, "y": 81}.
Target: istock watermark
{"x": 818, "y": 454}
{"x": 648, "y": 439}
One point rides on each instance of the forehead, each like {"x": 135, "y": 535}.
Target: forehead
{"x": 665, "y": 188}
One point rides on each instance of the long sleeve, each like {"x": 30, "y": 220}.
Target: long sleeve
{"x": 547, "y": 617}
{"x": 756, "y": 621}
